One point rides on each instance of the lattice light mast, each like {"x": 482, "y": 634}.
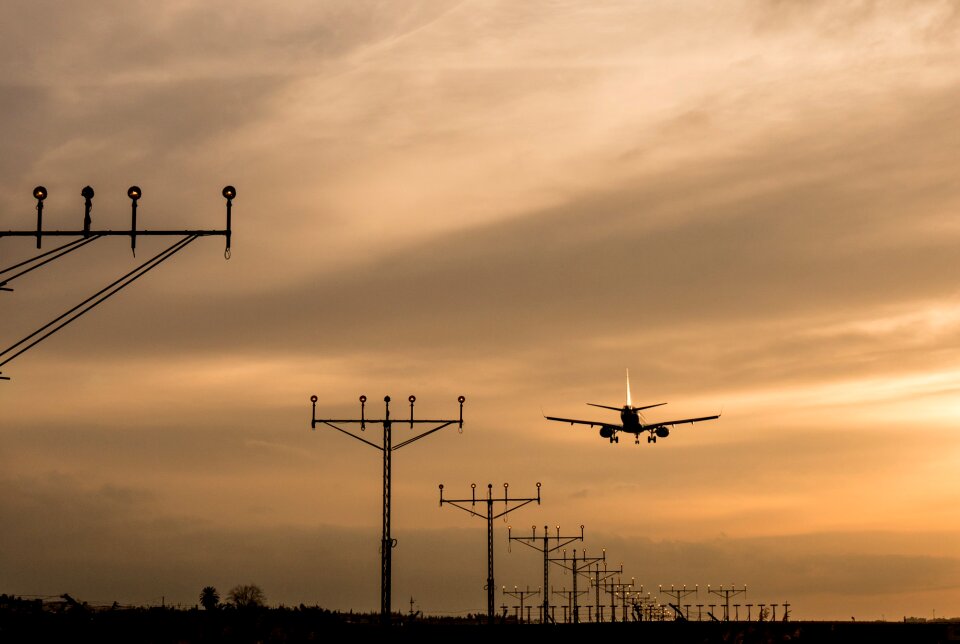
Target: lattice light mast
{"x": 387, "y": 543}
{"x": 490, "y": 516}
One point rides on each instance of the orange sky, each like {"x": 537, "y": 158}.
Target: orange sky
{"x": 752, "y": 207}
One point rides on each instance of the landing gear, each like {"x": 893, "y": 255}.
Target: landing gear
{"x": 651, "y": 439}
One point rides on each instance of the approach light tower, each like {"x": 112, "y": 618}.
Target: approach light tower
{"x": 727, "y": 593}
{"x": 521, "y": 595}
{"x": 546, "y": 544}
{"x": 490, "y": 516}
{"x": 599, "y": 581}
{"x": 387, "y": 543}
{"x": 678, "y": 595}
{"x": 578, "y": 567}
{"x": 85, "y": 236}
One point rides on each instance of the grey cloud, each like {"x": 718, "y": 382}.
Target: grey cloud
{"x": 801, "y": 246}
{"x": 801, "y": 237}
{"x": 136, "y": 558}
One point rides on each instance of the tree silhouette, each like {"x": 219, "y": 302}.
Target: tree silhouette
{"x": 246, "y": 596}
{"x": 209, "y": 598}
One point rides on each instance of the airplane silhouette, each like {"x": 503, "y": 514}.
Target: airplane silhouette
{"x": 632, "y": 421}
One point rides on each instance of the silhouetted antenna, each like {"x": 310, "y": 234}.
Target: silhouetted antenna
{"x": 84, "y": 237}
{"x": 546, "y": 544}
{"x": 577, "y": 566}
{"x": 521, "y": 595}
{"x": 413, "y": 613}
{"x": 386, "y": 542}
{"x": 490, "y": 516}
{"x": 727, "y": 593}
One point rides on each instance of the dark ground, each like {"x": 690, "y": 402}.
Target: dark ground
{"x": 170, "y": 626}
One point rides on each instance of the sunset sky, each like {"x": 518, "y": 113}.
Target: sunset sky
{"x": 753, "y": 205}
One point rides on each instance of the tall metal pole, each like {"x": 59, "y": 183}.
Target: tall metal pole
{"x": 491, "y": 589}
{"x": 576, "y": 606}
{"x": 387, "y": 543}
{"x": 596, "y": 585}
{"x": 546, "y": 567}
{"x": 490, "y": 516}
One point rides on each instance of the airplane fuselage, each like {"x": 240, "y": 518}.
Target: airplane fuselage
{"x": 630, "y": 419}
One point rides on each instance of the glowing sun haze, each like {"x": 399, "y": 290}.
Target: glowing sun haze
{"x": 752, "y": 205}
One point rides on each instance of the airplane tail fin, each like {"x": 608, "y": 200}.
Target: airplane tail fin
{"x": 629, "y": 402}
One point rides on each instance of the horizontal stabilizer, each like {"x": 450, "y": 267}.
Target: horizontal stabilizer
{"x": 605, "y": 406}
{"x": 648, "y": 406}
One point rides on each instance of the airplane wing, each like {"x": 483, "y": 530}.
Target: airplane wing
{"x": 592, "y": 423}
{"x": 684, "y": 421}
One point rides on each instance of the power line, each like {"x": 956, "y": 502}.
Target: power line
{"x": 88, "y": 235}
{"x": 96, "y": 299}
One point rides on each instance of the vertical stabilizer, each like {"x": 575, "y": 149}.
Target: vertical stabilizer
{"x": 629, "y": 402}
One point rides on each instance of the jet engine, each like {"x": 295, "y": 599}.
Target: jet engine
{"x": 663, "y": 432}
{"x": 606, "y": 432}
